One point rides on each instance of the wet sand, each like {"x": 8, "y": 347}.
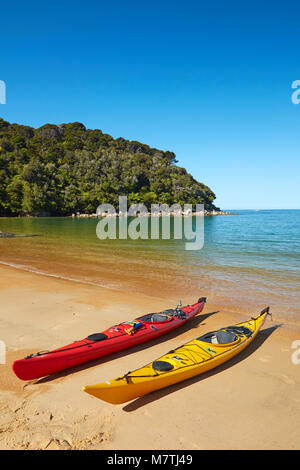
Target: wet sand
{"x": 252, "y": 402}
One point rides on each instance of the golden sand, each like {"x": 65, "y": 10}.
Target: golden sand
{"x": 252, "y": 402}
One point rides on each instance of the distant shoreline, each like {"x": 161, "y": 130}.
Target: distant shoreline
{"x": 158, "y": 214}
{"x": 148, "y": 214}
{"x": 88, "y": 216}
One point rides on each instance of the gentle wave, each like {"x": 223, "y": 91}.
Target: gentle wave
{"x": 58, "y": 276}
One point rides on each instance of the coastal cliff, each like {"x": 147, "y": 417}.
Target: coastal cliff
{"x": 66, "y": 169}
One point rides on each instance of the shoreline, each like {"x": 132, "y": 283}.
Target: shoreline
{"x": 157, "y": 214}
{"x": 148, "y": 214}
{"x": 291, "y": 325}
{"x": 40, "y": 312}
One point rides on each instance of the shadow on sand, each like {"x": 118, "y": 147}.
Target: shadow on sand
{"x": 156, "y": 395}
{"x": 193, "y": 323}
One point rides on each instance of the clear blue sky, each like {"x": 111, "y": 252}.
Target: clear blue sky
{"x": 210, "y": 81}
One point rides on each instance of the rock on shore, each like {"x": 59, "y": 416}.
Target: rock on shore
{"x": 6, "y": 235}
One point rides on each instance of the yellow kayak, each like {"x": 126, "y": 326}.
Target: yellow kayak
{"x": 192, "y": 358}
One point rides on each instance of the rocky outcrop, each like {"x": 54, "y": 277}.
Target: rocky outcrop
{"x": 187, "y": 213}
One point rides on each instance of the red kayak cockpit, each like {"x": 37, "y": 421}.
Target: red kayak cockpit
{"x": 155, "y": 318}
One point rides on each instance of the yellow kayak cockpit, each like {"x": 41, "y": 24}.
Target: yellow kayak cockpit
{"x": 201, "y": 349}
{"x": 196, "y": 352}
{"x": 228, "y": 336}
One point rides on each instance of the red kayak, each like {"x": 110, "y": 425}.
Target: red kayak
{"x": 97, "y": 345}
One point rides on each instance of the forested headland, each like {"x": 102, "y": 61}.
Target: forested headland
{"x": 62, "y": 169}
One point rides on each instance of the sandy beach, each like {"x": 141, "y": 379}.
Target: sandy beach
{"x": 252, "y": 402}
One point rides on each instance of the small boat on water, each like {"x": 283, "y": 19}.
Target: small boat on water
{"x": 116, "y": 338}
{"x": 193, "y": 358}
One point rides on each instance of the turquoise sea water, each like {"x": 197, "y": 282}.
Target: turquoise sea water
{"x": 249, "y": 260}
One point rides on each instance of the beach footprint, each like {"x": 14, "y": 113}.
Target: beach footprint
{"x": 265, "y": 358}
{"x": 286, "y": 379}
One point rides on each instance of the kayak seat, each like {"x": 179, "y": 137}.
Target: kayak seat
{"x": 224, "y": 337}
{"x": 170, "y": 311}
{"x": 218, "y": 337}
{"x": 154, "y": 318}
{"x": 97, "y": 337}
{"x": 174, "y": 312}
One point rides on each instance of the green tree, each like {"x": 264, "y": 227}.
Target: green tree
{"x": 68, "y": 168}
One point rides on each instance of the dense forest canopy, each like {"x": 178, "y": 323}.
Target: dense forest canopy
{"x": 67, "y": 168}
